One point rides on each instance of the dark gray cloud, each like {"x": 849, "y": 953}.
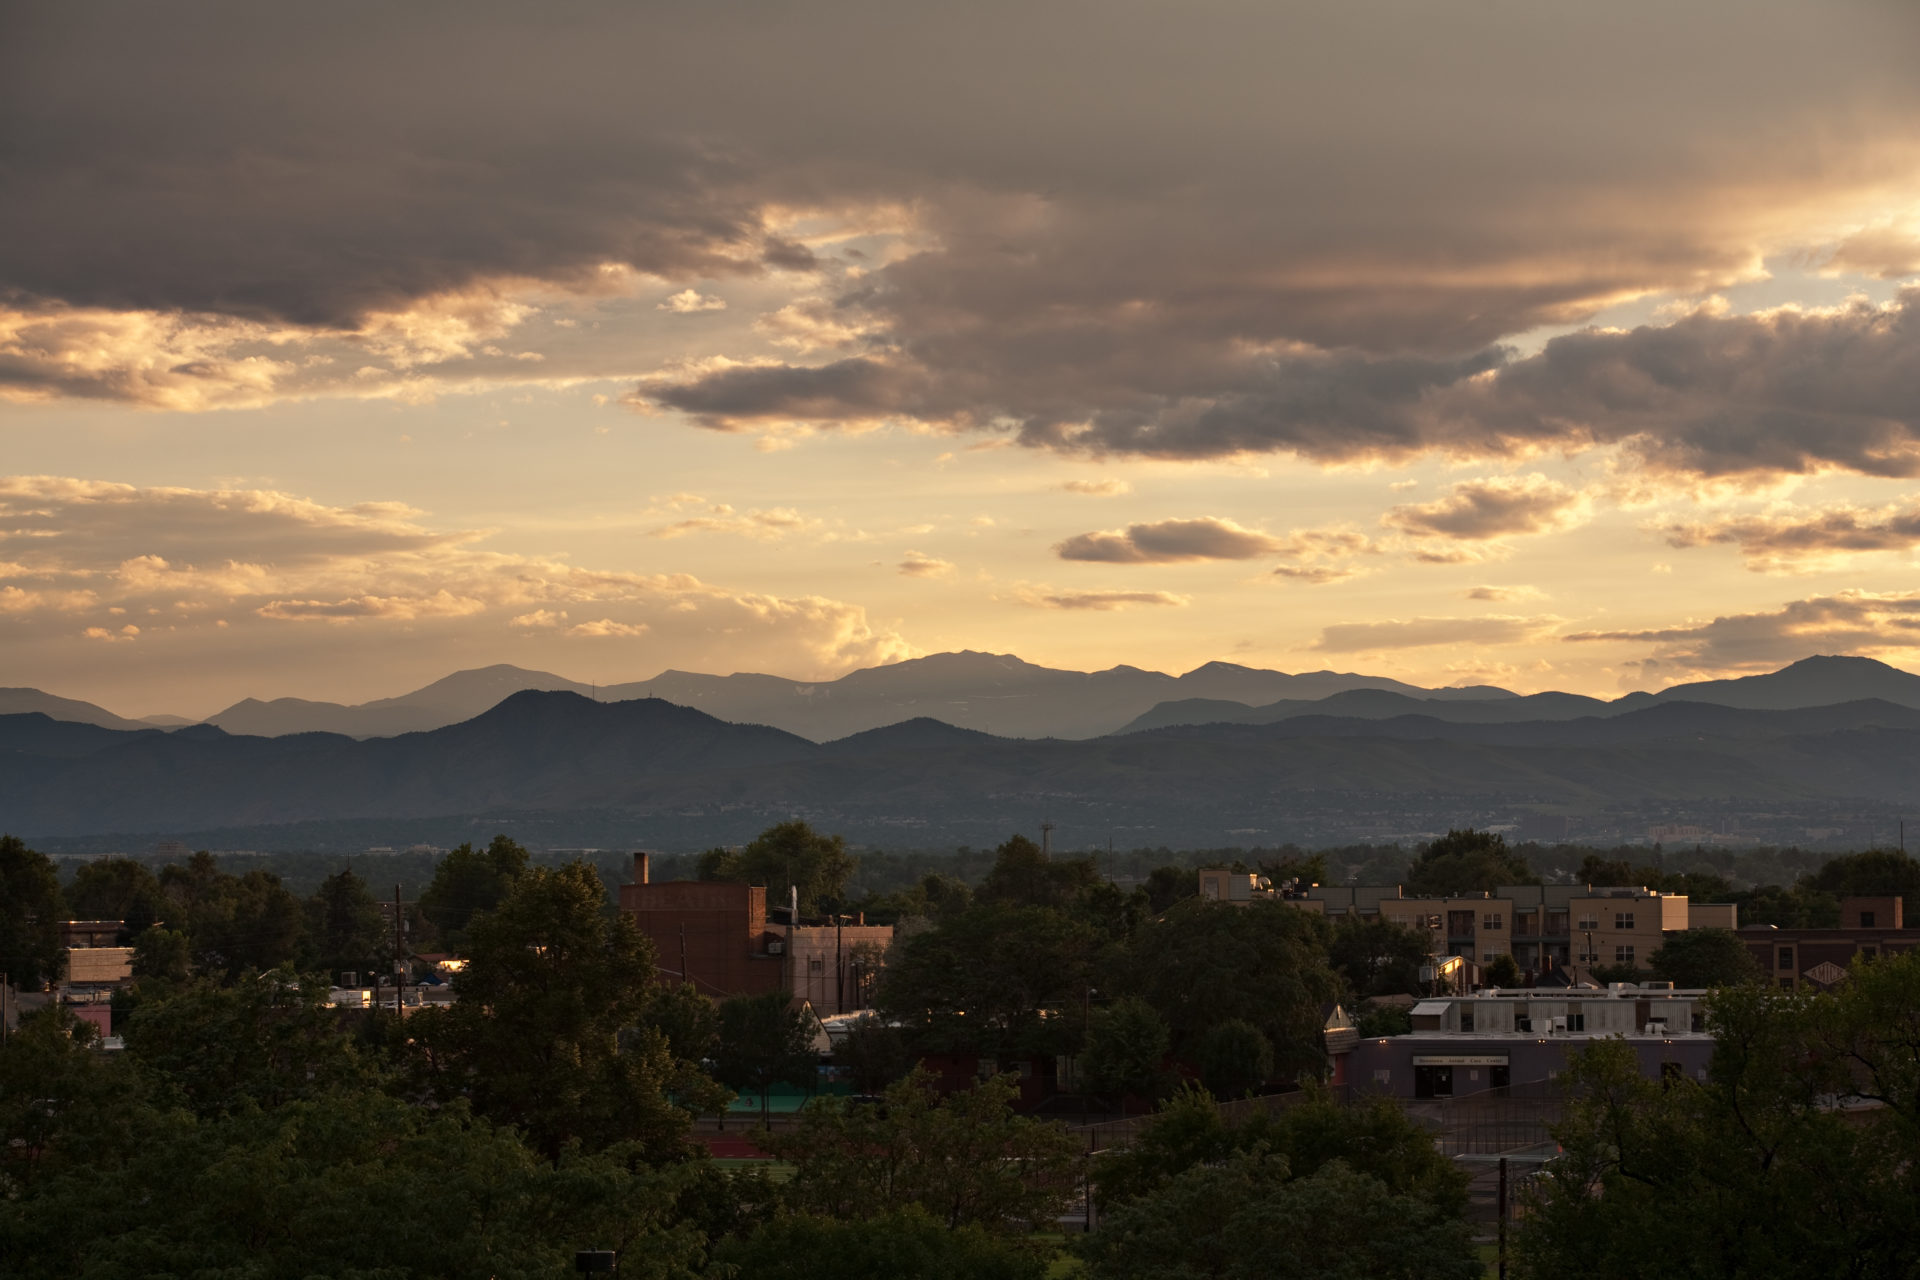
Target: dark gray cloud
{"x": 1784, "y": 538}
{"x": 1492, "y": 508}
{"x": 1860, "y": 622}
{"x": 1170, "y": 542}
{"x": 1098, "y": 601}
{"x": 1171, "y": 231}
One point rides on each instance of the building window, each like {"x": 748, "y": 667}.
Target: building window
{"x": 1466, "y": 1018}
{"x": 1491, "y": 922}
{"x": 1486, "y": 957}
{"x": 1589, "y": 922}
{"x": 816, "y": 964}
{"x": 1623, "y": 955}
{"x": 1785, "y": 959}
{"x": 1623, "y": 919}
{"x": 1869, "y": 950}
{"x": 1575, "y": 1022}
{"x": 1866, "y": 919}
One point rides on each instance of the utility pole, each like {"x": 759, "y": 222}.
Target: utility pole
{"x": 1501, "y": 1209}
{"x": 684, "y": 975}
{"x": 839, "y": 969}
{"x": 399, "y": 961}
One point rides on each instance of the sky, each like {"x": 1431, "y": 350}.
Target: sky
{"x": 1558, "y": 346}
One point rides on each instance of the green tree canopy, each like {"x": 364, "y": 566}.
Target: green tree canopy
{"x": 1263, "y": 962}
{"x": 1798, "y": 907}
{"x": 966, "y": 1158}
{"x": 985, "y": 981}
{"x": 344, "y": 926}
{"x": 31, "y": 909}
{"x": 1024, "y": 876}
{"x": 903, "y": 1245}
{"x": 1248, "y": 1216}
{"x": 1126, "y": 1053}
{"x": 1763, "y": 1169}
{"x": 261, "y": 1042}
{"x": 1377, "y": 956}
{"x": 117, "y": 889}
{"x": 1235, "y": 1058}
{"x": 470, "y": 881}
{"x": 873, "y": 1054}
{"x": 233, "y": 923}
{"x": 1168, "y": 885}
{"x": 534, "y": 1038}
{"x": 1705, "y": 958}
{"x": 1876, "y": 873}
{"x": 764, "y": 1040}
{"x": 790, "y": 853}
{"x": 1467, "y": 861}
{"x": 1375, "y": 1136}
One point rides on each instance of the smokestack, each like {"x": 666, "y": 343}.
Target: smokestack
{"x": 640, "y": 867}
{"x": 793, "y": 904}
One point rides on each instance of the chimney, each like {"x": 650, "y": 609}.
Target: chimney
{"x": 640, "y": 867}
{"x": 793, "y": 904}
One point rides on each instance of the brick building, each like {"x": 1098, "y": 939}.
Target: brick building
{"x": 1819, "y": 957}
{"x": 725, "y": 940}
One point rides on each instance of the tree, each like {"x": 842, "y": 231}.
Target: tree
{"x": 984, "y": 981}
{"x": 345, "y": 927}
{"x": 873, "y": 1054}
{"x": 790, "y": 853}
{"x": 261, "y": 1042}
{"x": 1126, "y": 1051}
{"x": 763, "y": 1041}
{"x": 117, "y": 889}
{"x": 1705, "y": 958}
{"x": 1876, "y": 873}
{"x": 1467, "y": 861}
{"x": 1168, "y": 885}
{"x": 1799, "y": 907}
{"x": 1755, "y": 1170}
{"x": 965, "y": 1158}
{"x": 1501, "y": 971}
{"x": 163, "y": 954}
{"x": 1376, "y": 1137}
{"x": 31, "y": 908}
{"x": 1022, "y": 875}
{"x": 470, "y": 881}
{"x": 1234, "y": 1057}
{"x": 906, "y": 1243}
{"x": 534, "y": 1038}
{"x": 233, "y": 923}
{"x": 1204, "y": 963}
{"x": 1378, "y": 956}
{"x": 1248, "y": 1216}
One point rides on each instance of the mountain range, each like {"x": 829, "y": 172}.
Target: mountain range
{"x": 1003, "y": 695}
{"x": 678, "y": 775}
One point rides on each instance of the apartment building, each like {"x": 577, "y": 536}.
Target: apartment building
{"x": 1819, "y": 957}
{"x": 1543, "y": 927}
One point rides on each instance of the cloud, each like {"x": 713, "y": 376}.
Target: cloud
{"x": 1169, "y": 542}
{"x": 1321, "y": 556}
{"x": 233, "y": 576}
{"x": 918, "y": 565}
{"x": 1099, "y": 601}
{"x": 1853, "y": 622}
{"x": 1790, "y": 538}
{"x": 1416, "y": 633}
{"x": 1320, "y": 253}
{"x": 1476, "y": 510}
{"x": 767, "y": 525}
{"x": 688, "y": 301}
{"x": 1505, "y": 593}
{"x": 608, "y": 629}
{"x": 1098, "y": 488}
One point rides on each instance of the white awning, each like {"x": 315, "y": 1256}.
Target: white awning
{"x": 1431, "y": 1008}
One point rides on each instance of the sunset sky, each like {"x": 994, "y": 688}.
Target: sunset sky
{"x": 1566, "y": 346}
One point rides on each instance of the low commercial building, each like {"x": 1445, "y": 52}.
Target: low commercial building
{"x": 1492, "y": 1039}
{"x": 722, "y": 938}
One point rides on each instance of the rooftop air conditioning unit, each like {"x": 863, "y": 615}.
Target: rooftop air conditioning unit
{"x": 1559, "y": 1026}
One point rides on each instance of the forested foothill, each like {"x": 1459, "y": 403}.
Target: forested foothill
{"x": 250, "y": 1129}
